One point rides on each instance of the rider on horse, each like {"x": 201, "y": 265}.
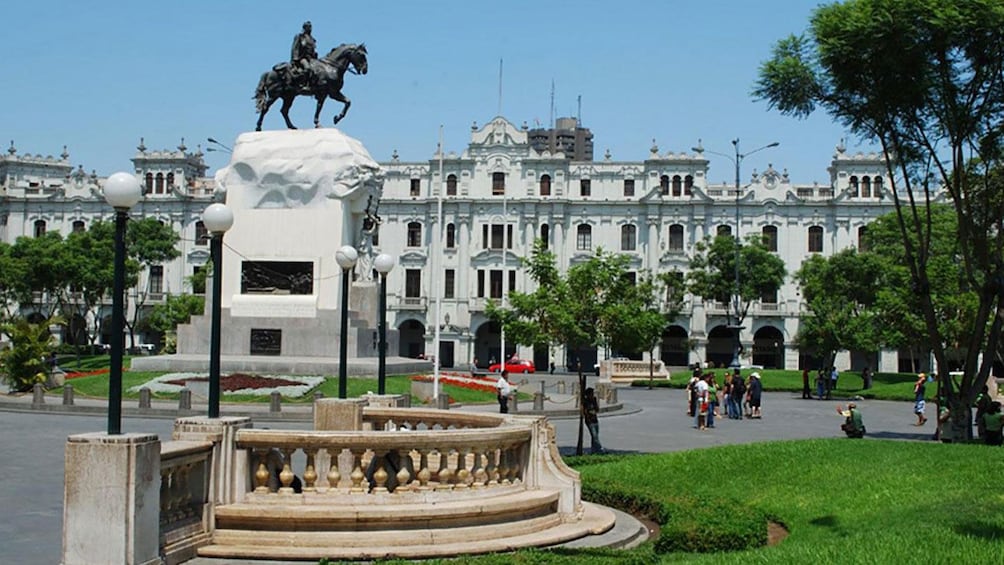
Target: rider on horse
{"x": 302, "y": 56}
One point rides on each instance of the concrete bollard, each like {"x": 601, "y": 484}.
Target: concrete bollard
{"x": 538, "y": 401}
{"x": 612, "y": 395}
{"x": 185, "y": 399}
{"x": 68, "y": 395}
{"x": 37, "y": 395}
{"x": 275, "y": 402}
{"x": 318, "y": 395}
{"x": 513, "y": 403}
{"x": 561, "y": 387}
{"x": 443, "y": 402}
{"x": 144, "y": 398}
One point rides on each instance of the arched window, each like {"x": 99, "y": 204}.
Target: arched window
{"x": 545, "y": 185}
{"x": 676, "y": 237}
{"x": 39, "y": 228}
{"x": 414, "y": 234}
{"x": 877, "y": 187}
{"x": 863, "y": 239}
{"x": 664, "y": 184}
{"x": 170, "y": 181}
{"x": 149, "y": 183}
{"x": 677, "y": 185}
{"x": 815, "y": 239}
{"x": 78, "y": 226}
{"x": 416, "y": 187}
{"x": 159, "y": 187}
{"x": 724, "y": 229}
{"x": 854, "y": 186}
{"x": 688, "y": 185}
{"x": 201, "y": 233}
{"x": 498, "y": 184}
{"x": 451, "y": 236}
{"x": 451, "y": 185}
{"x": 866, "y": 187}
{"x": 584, "y": 237}
{"x": 770, "y": 238}
{"x": 629, "y": 237}
{"x": 545, "y": 235}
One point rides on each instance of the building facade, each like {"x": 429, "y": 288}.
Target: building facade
{"x": 507, "y": 188}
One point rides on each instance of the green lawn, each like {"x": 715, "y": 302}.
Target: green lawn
{"x": 885, "y": 386}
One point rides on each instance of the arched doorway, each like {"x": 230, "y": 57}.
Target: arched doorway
{"x": 768, "y": 348}
{"x": 675, "y": 347}
{"x": 412, "y": 339}
{"x": 488, "y": 343}
{"x": 721, "y": 341}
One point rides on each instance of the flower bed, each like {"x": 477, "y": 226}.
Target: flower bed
{"x": 77, "y": 374}
{"x": 462, "y": 381}
{"x": 236, "y": 383}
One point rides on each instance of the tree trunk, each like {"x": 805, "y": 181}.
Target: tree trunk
{"x": 582, "y": 404}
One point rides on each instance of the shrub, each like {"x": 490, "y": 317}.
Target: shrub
{"x": 23, "y": 364}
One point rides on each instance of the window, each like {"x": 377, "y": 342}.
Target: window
{"x": 866, "y": 187}
{"x": 688, "y": 185}
{"x": 664, "y": 185}
{"x": 498, "y": 184}
{"x": 854, "y": 186}
{"x": 584, "y": 237}
{"x": 512, "y": 280}
{"x": 170, "y": 181}
{"x": 481, "y": 283}
{"x": 545, "y": 235}
{"x": 877, "y": 186}
{"x": 769, "y": 297}
{"x": 156, "y": 279}
{"x": 495, "y": 284}
{"x": 676, "y": 237}
{"x": 770, "y": 238}
{"x": 198, "y": 283}
{"x": 863, "y": 239}
{"x": 815, "y": 239}
{"x": 451, "y": 185}
{"x": 677, "y": 185}
{"x": 451, "y": 236}
{"x": 631, "y": 278}
{"x": 39, "y": 228}
{"x": 149, "y": 184}
{"x": 416, "y": 187}
{"x": 628, "y": 187}
{"x": 496, "y": 231}
{"x": 724, "y": 229}
{"x": 414, "y": 234}
{"x": 412, "y": 283}
{"x": 629, "y": 237}
{"x": 449, "y": 279}
{"x": 585, "y": 187}
{"x": 159, "y": 186}
{"x": 78, "y": 226}
{"x": 201, "y": 233}
{"x": 545, "y": 185}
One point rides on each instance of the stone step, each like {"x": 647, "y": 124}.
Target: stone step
{"x": 374, "y": 517}
{"x": 433, "y": 535}
{"x": 480, "y": 539}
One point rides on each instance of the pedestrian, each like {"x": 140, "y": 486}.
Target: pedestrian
{"x": 712, "y": 401}
{"x": 701, "y": 395}
{"x": 755, "y": 391}
{"x": 982, "y": 405}
{"x": 993, "y": 422}
{"x": 504, "y": 390}
{"x": 853, "y": 426}
{"x": 834, "y": 374}
{"x": 866, "y": 378}
{"x": 919, "y": 388}
{"x": 591, "y": 411}
{"x": 553, "y": 365}
{"x": 736, "y": 396}
{"x": 821, "y": 382}
{"x": 692, "y": 392}
{"x": 806, "y": 392}
{"x": 474, "y": 366}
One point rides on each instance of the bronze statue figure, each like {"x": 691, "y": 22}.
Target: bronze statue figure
{"x": 308, "y": 75}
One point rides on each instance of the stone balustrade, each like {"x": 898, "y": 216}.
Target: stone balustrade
{"x": 627, "y": 370}
{"x": 185, "y": 509}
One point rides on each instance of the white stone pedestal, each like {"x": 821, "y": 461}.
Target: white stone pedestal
{"x": 111, "y": 500}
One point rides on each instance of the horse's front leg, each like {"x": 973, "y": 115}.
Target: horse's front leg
{"x": 317, "y": 112}
{"x": 345, "y": 109}
{"x": 287, "y": 103}
{"x": 261, "y": 116}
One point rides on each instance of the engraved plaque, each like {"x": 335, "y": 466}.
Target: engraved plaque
{"x": 266, "y": 342}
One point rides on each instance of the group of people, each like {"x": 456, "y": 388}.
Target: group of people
{"x": 738, "y": 396}
{"x": 826, "y": 382}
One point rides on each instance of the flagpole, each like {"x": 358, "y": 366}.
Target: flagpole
{"x": 437, "y": 268}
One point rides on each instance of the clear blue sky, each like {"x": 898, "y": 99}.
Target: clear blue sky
{"x": 96, "y": 76}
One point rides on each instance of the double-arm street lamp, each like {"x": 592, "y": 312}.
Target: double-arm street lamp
{"x": 122, "y": 191}
{"x": 736, "y": 297}
{"x": 218, "y": 219}
{"x": 383, "y": 264}
{"x": 346, "y": 257}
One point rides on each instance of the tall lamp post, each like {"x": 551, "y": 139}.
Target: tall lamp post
{"x": 346, "y": 257}
{"x": 736, "y": 296}
{"x": 122, "y": 191}
{"x": 383, "y": 264}
{"x": 218, "y": 219}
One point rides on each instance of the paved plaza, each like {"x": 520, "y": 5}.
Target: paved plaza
{"x": 651, "y": 421}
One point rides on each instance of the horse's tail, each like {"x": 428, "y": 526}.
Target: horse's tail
{"x": 261, "y": 93}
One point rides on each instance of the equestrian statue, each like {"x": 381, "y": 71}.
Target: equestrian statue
{"x": 307, "y": 75}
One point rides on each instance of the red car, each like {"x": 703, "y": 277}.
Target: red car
{"x": 514, "y": 366}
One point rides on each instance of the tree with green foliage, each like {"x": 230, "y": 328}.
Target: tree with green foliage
{"x": 590, "y": 306}
{"x": 176, "y": 309}
{"x": 10, "y": 277}
{"x": 840, "y": 294}
{"x": 41, "y": 267}
{"x": 149, "y": 243}
{"x": 23, "y": 363}
{"x": 925, "y": 80}
{"x": 90, "y": 259}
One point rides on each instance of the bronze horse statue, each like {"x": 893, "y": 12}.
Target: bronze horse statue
{"x": 324, "y": 79}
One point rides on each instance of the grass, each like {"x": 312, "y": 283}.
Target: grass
{"x": 842, "y": 501}
{"x": 885, "y": 386}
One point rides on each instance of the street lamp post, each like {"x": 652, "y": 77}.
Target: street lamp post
{"x": 218, "y": 219}
{"x": 346, "y": 258}
{"x": 736, "y": 296}
{"x": 383, "y": 264}
{"x": 122, "y": 191}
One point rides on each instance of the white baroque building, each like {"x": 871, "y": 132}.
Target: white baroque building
{"x": 497, "y": 196}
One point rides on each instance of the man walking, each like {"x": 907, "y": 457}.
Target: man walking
{"x": 504, "y": 390}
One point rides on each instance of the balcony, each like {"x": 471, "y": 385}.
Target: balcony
{"x": 769, "y": 309}
{"x": 410, "y": 303}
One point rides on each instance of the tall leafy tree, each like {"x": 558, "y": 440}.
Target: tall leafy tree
{"x": 149, "y": 243}
{"x": 44, "y": 280}
{"x": 925, "y": 80}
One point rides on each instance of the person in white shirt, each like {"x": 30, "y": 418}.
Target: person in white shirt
{"x": 701, "y": 391}
{"x": 504, "y": 390}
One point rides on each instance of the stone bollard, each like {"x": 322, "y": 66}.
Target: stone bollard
{"x": 513, "y": 403}
{"x": 144, "y": 398}
{"x": 275, "y": 402}
{"x": 318, "y": 395}
{"x": 538, "y": 402}
{"x": 443, "y": 402}
{"x": 68, "y": 395}
{"x": 561, "y": 387}
{"x": 185, "y": 399}
{"x": 37, "y": 395}
{"x": 612, "y": 395}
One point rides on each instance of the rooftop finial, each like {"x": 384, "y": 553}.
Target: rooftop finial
{"x": 65, "y": 154}
{"x": 12, "y": 150}
{"x": 141, "y": 146}
{"x": 182, "y": 147}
